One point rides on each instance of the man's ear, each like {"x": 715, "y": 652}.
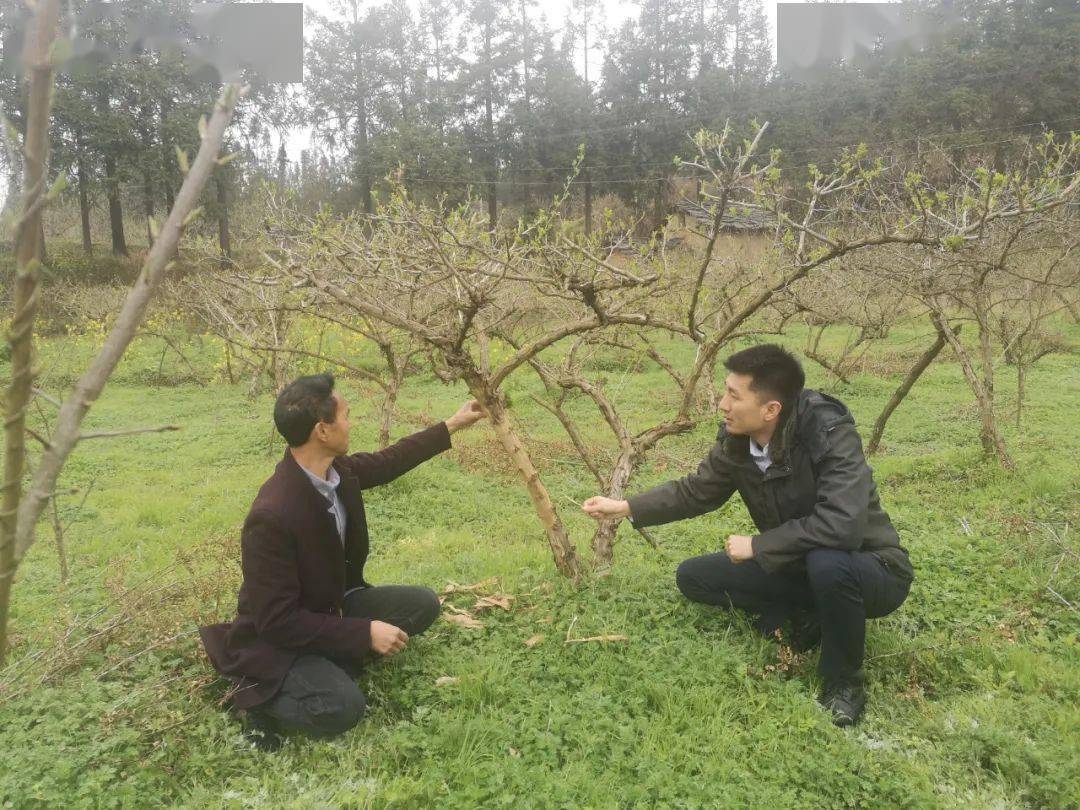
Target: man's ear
{"x": 772, "y": 410}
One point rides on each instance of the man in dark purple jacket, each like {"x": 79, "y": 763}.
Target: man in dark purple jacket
{"x": 306, "y": 617}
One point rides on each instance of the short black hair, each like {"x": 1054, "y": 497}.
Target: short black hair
{"x": 773, "y": 371}
{"x": 302, "y": 404}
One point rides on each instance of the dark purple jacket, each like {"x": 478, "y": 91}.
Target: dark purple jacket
{"x": 296, "y": 572}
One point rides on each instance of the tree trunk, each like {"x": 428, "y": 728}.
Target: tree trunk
{"x": 228, "y": 363}
{"x": 588, "y": 203}
{"x": 566, "y": 559}
{"x": 41, "y": 33}
{"x": 116, "y": 212}
{"x": 603, "y": 541}
{"x": 168, "y": 156}
{"x": 14, "y": 188}
{"x": 712, "y": 394}
{"x": 658, "y": 206}
{"x": 224, "y": 241}
{"x": 1021, "y": 372}
{"x": 361, "y": 117}
{"x": 489, "y": 121}
{"x": 992, "y": 441}
{"x": 1074, "y": 312}
{"x": 282, "y": 167}
{"x": 389, "y": 402}
{"x": 84, "y": 197}
{"x": 146, "y": 140}
{"x": 912, "y": 377}
{"x": 588, "y": 116}
{"x": 148, "y": 207}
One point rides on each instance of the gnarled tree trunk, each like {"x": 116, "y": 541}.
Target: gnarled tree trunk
{"x": 992, "y": 441}
{"x": 494, "y": 405}
{"x": 40, "y": 36}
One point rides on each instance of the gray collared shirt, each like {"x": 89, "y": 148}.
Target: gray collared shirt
{"x": 760, "y": 455}
{"x": 328, "y": 489}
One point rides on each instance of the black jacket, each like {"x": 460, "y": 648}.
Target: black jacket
{"x": 819, "y": 492}
{"x": 296, "y": 572}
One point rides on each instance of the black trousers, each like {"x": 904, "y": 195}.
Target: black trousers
{"x": 844, "y": 588}
{"x": 319, "y": 696}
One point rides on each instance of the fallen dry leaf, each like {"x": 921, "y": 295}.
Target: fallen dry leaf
{"x": 534, "y": 640}
{"x": 499, "y": 601}
{"x": 462, "y": 618}
{"x": 446, "y": 680}
{"x": 546, "y": 620}
{"x": 453, "y": 587}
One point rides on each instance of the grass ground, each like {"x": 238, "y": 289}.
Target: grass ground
{"x": 975, "y": 695}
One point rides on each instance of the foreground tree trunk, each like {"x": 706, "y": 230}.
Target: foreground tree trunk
{"x": 41, "y": 34}
{"x": 20, "y": 513}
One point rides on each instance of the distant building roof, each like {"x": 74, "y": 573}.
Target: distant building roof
{"x": 736, "y": 217}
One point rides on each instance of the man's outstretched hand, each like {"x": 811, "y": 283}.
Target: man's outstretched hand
{"x": 602, "y": 508}
{"x": 468, "y": 415}
{"x": 386, "y": 639}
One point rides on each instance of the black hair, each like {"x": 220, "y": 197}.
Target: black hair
{"x": 773, "y": 371}
{"x": 302, "y": 404}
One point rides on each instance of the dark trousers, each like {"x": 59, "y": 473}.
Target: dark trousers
{"x": 844, "y": 589}
{"x": 319, "y": 696}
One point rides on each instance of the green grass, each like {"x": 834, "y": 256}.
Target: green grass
{"x": 975, "y": 681}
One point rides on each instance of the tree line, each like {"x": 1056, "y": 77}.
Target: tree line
{"x": 491, "y": 97}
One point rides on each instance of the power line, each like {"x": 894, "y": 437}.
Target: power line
{"x": 608, "y": 180}
{"x": 698, "y": 119}
{"x": 478, "y": 181}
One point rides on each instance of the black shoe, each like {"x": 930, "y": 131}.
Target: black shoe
{"x": 261, "y": 732}
{"x": 845, "y": 701}
{"x": 805, "y": 631}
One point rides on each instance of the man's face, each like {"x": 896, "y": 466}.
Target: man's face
{"x": 335, "y": 435}
{"x": 745, "y": 411}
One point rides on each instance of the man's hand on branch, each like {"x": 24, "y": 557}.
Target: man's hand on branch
{"x": 601, "y": 508}
{"x": 386, "y": 639}
{"x": 468, "y": 415}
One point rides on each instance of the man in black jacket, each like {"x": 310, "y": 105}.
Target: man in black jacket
{"x": 826, "y": 556}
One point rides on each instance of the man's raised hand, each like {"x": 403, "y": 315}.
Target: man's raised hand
{"x": 386, "y": 639}
{"x": 467, "y": 415}
{"x": 601, "y": 508}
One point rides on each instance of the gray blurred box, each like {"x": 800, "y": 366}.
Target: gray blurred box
{"x": 813, "y": 36}
{"x": 267, "y": 38}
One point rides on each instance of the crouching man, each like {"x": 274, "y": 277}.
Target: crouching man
{"x": 306, "y": 618}
{"x": 826, "y": 556}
